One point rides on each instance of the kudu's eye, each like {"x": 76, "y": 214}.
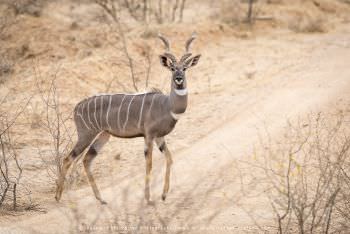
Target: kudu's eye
{"x": 172, "y": 68}
{"x": 184, "y": 69}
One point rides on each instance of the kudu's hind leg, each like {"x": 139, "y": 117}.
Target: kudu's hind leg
{"x": 164, "y": 149}
{"x": 79, "y": 147}
{"x": 148, "y": 156}
{"x": 101, "y": 140}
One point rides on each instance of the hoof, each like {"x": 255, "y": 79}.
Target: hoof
{"x": 163, "y": 197}
{"x": 150, "y": 203}
{"x": 57, "y": 197}
{"x": 103, "y": 202}
{"x": 147, "y": 197}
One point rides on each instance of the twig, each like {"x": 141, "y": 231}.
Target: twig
{"x": 112, "y": 11}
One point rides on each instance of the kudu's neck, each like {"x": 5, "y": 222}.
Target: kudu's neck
{"x": 178, "y": 100}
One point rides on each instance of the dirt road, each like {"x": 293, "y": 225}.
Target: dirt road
{"x": 253, "y": 83}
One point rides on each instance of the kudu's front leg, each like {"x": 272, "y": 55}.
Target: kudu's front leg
{"x": 164, "y": 149}
{"x": 148, "y": 157}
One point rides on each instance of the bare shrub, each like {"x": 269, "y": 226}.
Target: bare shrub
{"x": 147, "y": 11}
{"x": 342, "y": 206}
{"x": 238, "y": 11}
{"x": 10, "y": 168}
{"x": 54, "y": 123}
{"x": 304, "y": 174}
{"x": 250, "y": 11}
{"x": 12, "y": 191}
{"x": 114, "y": 12}
{"x": 146, "y": 53}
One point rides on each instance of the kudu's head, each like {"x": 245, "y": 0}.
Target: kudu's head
{"x": 178, "y": 68}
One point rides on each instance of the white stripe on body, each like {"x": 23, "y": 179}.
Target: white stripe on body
{"x": 99, "y": 125}
{"x": 141, "y": 110}
{"x": 108, "y": 109}
{"x": 99, "y": 128}
{"x": 88, "y": 112}
{"x": 127, "y": 113}
{"x": 81, "y": 106}
{"x": 119, "y": 109}
{"x": 150, "y": 108}
{"x": 101, "y": 111}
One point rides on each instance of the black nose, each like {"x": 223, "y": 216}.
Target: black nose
{"x": 179, "y": 80}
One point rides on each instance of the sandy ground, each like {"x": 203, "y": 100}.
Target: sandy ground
{"x": 253, "y": 83}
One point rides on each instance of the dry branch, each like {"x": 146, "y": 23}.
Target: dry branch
{"x": 55, "y": 124}
{"x": 111, "y": 9}
{"x": 10, "y": 167}
{"x": 302, "y": 174}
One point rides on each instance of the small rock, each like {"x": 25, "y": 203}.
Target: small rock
{"x": 117, "y": 156}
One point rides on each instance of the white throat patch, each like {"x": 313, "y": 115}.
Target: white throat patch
{"x": 176, "y": 116}
{"x": 180, "y": 92}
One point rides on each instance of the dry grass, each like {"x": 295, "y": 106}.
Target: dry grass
{"x": 307, "y": 22}
{"x": 6, "y": 68}
{"x": 231, "y": 12}
{"x": 300, "y": 16}
{"x": 30, "y": 7}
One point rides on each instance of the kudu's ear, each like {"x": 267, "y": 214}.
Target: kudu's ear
{"x": 192, "y": 61}
{"x": 165, "y": 61}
